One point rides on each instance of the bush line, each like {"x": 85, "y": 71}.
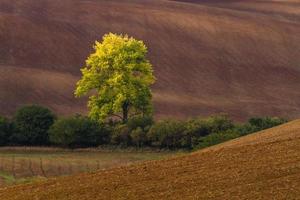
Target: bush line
{"x": 36, "y": 125}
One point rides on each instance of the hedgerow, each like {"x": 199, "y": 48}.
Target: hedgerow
{"x": 36, "y": 125}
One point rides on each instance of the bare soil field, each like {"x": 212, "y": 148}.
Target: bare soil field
{"x": 238, "y": 57}
{"x": 264, "y": 165}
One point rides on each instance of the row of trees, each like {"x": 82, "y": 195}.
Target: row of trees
{"x": 35, "y": 125}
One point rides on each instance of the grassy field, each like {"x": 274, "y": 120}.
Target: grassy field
{"x": 19, "y": 165}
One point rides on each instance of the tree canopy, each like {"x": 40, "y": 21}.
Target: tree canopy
{"x": 117, "y": 77}
{"x": 32, "y": 123}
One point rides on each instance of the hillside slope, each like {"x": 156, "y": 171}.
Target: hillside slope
{"x": 265, "y": 165}
{"x": 239, "y": 57}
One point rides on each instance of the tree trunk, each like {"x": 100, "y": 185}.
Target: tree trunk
{"x": 125, "y": 108}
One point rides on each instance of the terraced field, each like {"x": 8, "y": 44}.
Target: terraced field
{"x": 265, "y": 165}
{"x": 238, "y": 57}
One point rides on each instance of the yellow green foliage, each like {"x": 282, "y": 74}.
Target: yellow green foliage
{"x": 120, "y": 74}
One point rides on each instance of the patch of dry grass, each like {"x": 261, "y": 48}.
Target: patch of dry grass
{"x": 25, "y": 164}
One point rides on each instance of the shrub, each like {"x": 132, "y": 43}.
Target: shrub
{"x": 257, "y": 124}
{"x": 202, "y": 127}
{"x": 265, "y": 122}
{"x": 219, "y": 123}
{"x": 32, "y": 124}
{"x": 78, "y": 131}
{"x": 121, "y": 135}
{"x": 217, "y": 138}
{"x": 167, "y": 133}
{"x": 197, "y": 128}
{"x": 143, "y": 122}
{"x": 245, "y": 129}
{"x": 5, "y": 131}
{"x": 138, "y": 137}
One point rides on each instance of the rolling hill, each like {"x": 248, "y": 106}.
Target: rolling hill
{"x": 264, "y": 165}
{"x": 238, "y": 57}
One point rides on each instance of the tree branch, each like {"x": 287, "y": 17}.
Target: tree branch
{"x": 115, "y": 115}
{"x": 137, "y": 113}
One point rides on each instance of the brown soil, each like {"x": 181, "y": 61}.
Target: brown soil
{"x": 239, "y": 57}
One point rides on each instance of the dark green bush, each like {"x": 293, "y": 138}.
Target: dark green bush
{"x": 31, "y": 125}
{"x": 217, "y": 138}
{"x": 197, "y": 128}
{"x": 121, "y": 135}
{"x": 143, "y": 122}
{"x": 245, "y": 129}
{"x": 138, "y": 137}
{"x": 225, "y": 130}
{"x": 167, "y": 134}
{"x": 201, "y": 127}
{"x": 5, "y": 131}
{"x": 257, "y": 124}
{"x": 78, "y": 131}
{"x": 261, "y": 123}
{"x": 219, "y": 123}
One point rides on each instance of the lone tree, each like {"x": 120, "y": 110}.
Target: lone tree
{"x": 117, "y": 76}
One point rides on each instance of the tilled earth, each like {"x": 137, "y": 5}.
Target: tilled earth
{"x": 209, "y": 56}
